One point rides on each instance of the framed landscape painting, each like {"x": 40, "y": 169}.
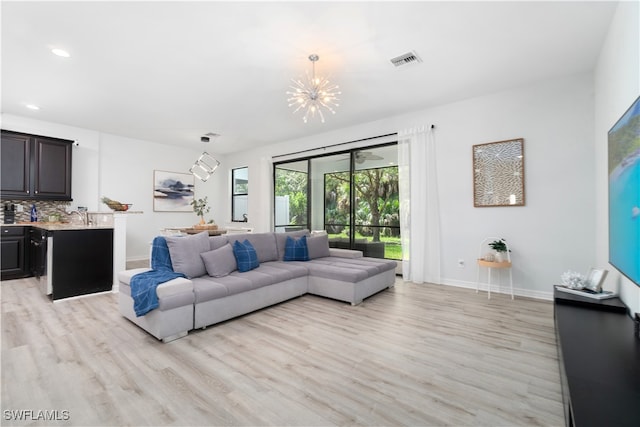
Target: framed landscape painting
{"x": 172, "y": 191}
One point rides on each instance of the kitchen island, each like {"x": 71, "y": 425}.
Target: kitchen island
{"x": 72, "y": 260}
{"x": 87, "y": 242}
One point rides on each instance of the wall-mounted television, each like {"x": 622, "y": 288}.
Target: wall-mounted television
{"x": 624, "y": 193}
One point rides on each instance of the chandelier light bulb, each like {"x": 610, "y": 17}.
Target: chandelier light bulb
{"x": 314, "y": 94}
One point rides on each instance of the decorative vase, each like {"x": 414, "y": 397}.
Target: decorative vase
{"x": 498, "y": 257}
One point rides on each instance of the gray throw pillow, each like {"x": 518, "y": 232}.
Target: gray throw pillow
{"x": 220, "y": 262}
{"x": 318, "y": 246}
{"x": 216, "y": 242}
{"x": 185, "y": 253}
{"x": 263, "y": 243}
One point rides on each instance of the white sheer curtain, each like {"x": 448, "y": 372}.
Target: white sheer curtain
{"x": 419, "y": 206}
{"x": 263, "y": 184}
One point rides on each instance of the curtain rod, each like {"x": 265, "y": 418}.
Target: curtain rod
{"x": 333, "y": 145}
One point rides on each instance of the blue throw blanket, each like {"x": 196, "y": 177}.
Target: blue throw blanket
{"x": 143, "y": 285}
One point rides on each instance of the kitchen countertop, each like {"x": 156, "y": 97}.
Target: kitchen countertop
{"x": 58, "y": 226}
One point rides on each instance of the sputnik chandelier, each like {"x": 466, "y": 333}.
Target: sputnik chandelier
{"x": 313, "y": 94}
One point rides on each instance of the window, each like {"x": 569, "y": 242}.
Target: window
{"x": 240, "y": 194}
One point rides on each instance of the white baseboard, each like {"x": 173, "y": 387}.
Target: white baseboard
{"x": 501, "y": 289}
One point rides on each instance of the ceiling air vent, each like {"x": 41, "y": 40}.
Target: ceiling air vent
{"x": 406, "y": 59}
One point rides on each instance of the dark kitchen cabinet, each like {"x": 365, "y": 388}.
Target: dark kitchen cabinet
{"x": 16, "y": 165}
{"x": 35, "y": 167}
{"x": 82, "y": 262}
{"x": 14, "y": 253}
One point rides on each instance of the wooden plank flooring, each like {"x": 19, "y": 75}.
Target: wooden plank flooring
{"x": 412, "y": 355}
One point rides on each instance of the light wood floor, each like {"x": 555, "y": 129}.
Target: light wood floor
{"x": 412, "y": 355}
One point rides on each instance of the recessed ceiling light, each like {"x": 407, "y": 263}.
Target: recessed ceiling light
{"x": 60, "y": 52}
{"x": 32, "y": 107}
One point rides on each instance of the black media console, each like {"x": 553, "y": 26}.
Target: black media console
{"x": 599, "y": 361}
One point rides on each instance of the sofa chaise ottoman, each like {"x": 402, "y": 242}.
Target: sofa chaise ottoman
{"x": 215, "y": 289}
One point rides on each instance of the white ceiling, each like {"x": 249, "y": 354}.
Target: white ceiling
{"x": 172, "y": 71}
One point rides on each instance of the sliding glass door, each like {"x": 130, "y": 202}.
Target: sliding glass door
{"x": 331, "y": 195}
{"x": 291, "y": 196}
{"x": 352, "y": 195}
{"x": 376, "y": 202}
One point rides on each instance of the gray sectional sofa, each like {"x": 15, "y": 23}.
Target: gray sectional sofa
{"x": 216, "y": 291}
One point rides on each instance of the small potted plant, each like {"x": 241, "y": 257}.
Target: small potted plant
{"x": 201, "y": 207}
{"x": 500, "y": 247}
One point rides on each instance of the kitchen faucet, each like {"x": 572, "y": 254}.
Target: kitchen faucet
{"x": 84, "y": 215}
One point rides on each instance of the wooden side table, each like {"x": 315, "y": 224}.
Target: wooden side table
{"x": 490, "y": 265}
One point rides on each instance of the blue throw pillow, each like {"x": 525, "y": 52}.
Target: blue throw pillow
{"x": 296, "y": 249}
{"x": 246, "y": 256}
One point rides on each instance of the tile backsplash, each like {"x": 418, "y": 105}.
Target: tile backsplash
{"x": 45, "y": 209}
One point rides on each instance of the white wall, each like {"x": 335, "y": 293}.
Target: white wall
{"x": 126, "y": 174}
{"x": 122, "y": 169}
{"x": 551, "y": 234}
{"x": 617, "y": 85}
